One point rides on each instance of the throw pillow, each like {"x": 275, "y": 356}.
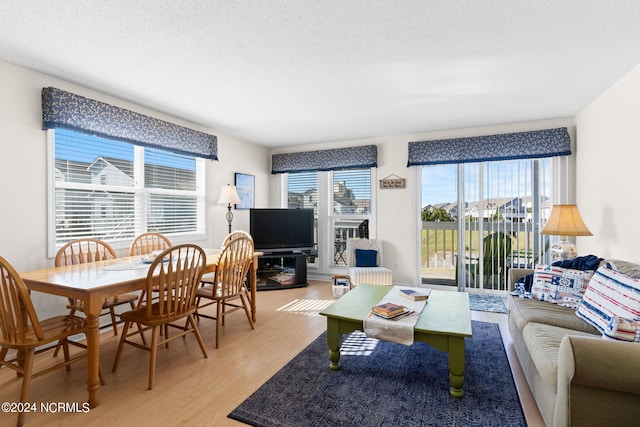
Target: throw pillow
{"x": 610, "y": 293}
{"x": 623, "y": 329}
{"x": 366, "y": 258}
{"x": 557, "y": 285}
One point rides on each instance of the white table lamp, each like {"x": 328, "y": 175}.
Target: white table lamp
{"x": 229, "y": 195}
{"x": 565, "y": 220}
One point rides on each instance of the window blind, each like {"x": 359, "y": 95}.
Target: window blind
{"x": 113, "y": 190}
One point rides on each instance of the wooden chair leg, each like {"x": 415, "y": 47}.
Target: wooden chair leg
{"x": 114, "y": 322}
{"x": 65, "y": 350}
{"x": 125, "y": 329}
{"x": 224, "y": 309}
{"x": 196, "y": 332}
{"x": 26, "y": 381}
{"x": 245, "y": 303}
{"x": 218, "y": 325}
{"x": 154, "y": 349}
{"x": 57, "y": 350}
{"x": 144, "y": 340}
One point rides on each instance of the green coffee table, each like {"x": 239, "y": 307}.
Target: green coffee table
{"x": 444, "y": 324}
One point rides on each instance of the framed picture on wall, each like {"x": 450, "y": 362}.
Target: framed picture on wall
{"x": 246, "y": 187}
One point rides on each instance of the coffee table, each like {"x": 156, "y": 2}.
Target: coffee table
{"x": 444, "y": 324}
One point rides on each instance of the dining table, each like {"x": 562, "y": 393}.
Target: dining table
{"x": 94, "y": 281}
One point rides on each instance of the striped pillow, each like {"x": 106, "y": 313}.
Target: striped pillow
{"x": 610, "y": 294}
{"x": 557, "y": 285}
{"x": 623, "y": 329}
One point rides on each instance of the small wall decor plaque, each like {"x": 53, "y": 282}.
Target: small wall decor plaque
{"x": 393, "y": 181}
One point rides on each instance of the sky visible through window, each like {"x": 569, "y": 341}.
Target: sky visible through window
{"x": 93, "y": 146}
{"x": 509, "y": 178}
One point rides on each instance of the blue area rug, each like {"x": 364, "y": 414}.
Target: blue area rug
{"x": 387, "y": 384}
{"x": 482, "y": 302}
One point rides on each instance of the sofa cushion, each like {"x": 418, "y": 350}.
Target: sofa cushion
{"x": 525, "y": 310}
{"x": 610, "y": 293}
{"x": 557, "y": 285}
{"x": 543, "y": 343}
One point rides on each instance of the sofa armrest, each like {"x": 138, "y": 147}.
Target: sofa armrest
{"x": 598, "y": 382}
{"x": 515, "y": 274}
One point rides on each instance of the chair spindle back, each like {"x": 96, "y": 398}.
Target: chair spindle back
{"x": 16, "y": 308}
{"x": 174, "y": 276}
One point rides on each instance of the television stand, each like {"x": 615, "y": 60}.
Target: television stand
{"x": 281, "y": 270}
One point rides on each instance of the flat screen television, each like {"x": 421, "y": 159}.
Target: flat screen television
{"x": 282, "y": 230}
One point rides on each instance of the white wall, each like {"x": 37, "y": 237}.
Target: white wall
{"x": 23, "y": 172}
{"x": 608, "y": 134}
{"x": 398, "y": 210}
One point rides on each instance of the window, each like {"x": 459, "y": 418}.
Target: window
{"x": 341, "y": 201}
{"x": 351, "y": 207}
{"x": 302, "y": 193}
{"x": 112, "y": 190}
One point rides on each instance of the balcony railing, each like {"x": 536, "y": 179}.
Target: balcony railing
{"x": 439, "y": 249}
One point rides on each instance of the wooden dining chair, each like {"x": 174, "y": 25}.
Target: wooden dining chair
{"x": 176, "y": 272}
{"x": 146, "y": 243}
{"x": 81, "y": 251}
{"x": 234, "y": 234}
{"x": 25, "y": 334}
{"x": 227, "y": 290}
{"x": 238, "y": 233}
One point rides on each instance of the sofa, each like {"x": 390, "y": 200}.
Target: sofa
{"x": 577, "y": 375}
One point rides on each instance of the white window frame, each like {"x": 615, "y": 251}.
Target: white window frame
{"x": 140, "y": 196}
{"x": 326, "y": 218}
{"x": 561, "y": 188}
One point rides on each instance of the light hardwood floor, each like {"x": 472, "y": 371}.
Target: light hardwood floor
{"x": 191, "y": 390}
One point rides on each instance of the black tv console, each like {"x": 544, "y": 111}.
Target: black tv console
{"x": 281, "y": 270}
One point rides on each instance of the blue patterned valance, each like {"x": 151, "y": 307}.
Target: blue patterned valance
{"x": 364, "y": 156}
{"x": 507, "y": 146}
{"x": 65, "y": 110}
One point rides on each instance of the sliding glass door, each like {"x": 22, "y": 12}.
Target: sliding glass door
{"x": 480, "y": 219}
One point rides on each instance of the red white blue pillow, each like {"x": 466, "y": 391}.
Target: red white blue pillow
{"x": 612, "y": 303}
{"x": 623, "y": 329}
{"x": 557, "y": 285}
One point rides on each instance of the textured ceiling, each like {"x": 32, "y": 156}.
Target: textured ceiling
{"x": 277, "y": 72}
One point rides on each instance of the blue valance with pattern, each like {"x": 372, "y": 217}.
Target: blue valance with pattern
{"x": 65, "y": 110}
{"x": 364, "y": 156}
{"x": 507, "y": 146}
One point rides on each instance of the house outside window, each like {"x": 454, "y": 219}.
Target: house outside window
{"x": 112, "y": 191}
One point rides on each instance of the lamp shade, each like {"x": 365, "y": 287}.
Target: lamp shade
{"x": 565, "y": 220}
{"x": 228, "y": 195}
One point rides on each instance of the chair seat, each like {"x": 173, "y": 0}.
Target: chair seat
{"x": 108, "y": 302}
{"x": 370, "y": 275}
{"x": 206, "y": 291}
{"x": 139, "y": 315}
{"x": 53, "y": 330}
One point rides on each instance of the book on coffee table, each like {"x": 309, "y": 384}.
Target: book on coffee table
{"x": 415, "y": 295}
{"x": 388, "y": 309}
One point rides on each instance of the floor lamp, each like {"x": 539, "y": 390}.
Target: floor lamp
{"x": 565, "y": 220}
{"x": 229, "y": 195}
